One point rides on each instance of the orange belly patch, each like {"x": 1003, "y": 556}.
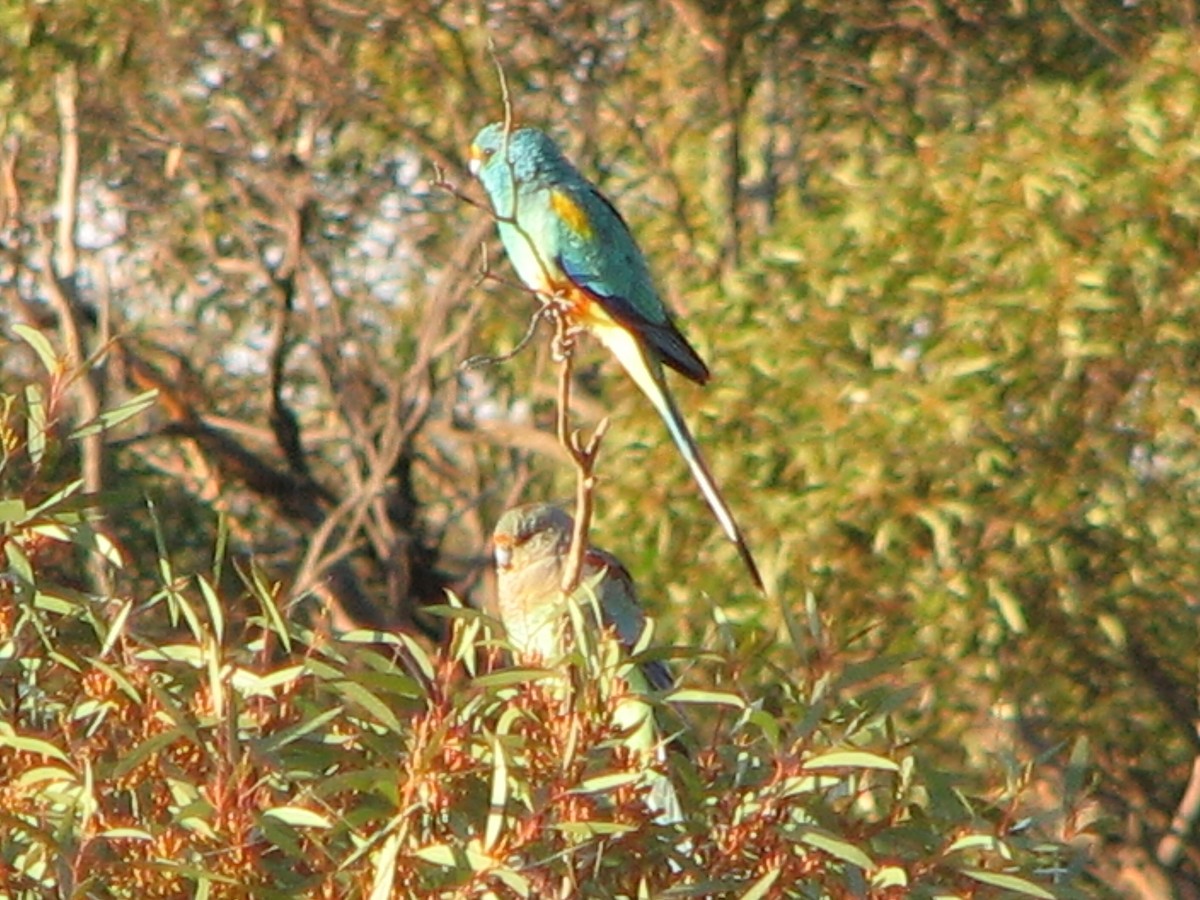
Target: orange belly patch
{"x": 582, "y": 310}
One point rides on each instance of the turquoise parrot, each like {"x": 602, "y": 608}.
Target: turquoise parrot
{"x": 531, "y": 544}
{"x": 569, "y": 244}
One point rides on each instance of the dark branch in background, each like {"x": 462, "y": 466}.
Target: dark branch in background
{"x": 283, "y": 421}
{"x": 293, "y": 498}
{"x": 1145, "y": 665}
{"x": 1091, "y": 29}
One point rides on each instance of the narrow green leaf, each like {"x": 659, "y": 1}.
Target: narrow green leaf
{"x": 514, "y": 881}
{"x": 439, "y": 854}
{"x": 806, "y": 784}
{"x": 266, "y": 601}
{"x": 306, "y": 726}
{"x": 116, "y": 627}
{"x": 67, "y": 490}
{"x": 588, "y": 829}
{"x": 1008, "y": 883}
{"x": 1009, "y": 605}
{"x": 499, "y": 797}
{"x": 41, "y": 346}
{"x": 299, "y": 817}
{"x": 35, "y": 424}
{"x": 251, "y": 684}
{"x": 52, "y": 602}
{"x": 101, "y": 543}
{"x": 762, "y": 887}
{"x": 385, "y": 868}
{"x": 987, "y": 842}
{"x": 963, "y": 367}
{"x": 113, "y": 417}
{"x": 131, "y": 759}
{"x": 357, "y": 694}
{"x": 18, "y": 563}
{"x": 119, "y": 678}
{"x": 835, "y": 846}
{"x": 509, "y": 677}
{"x": 710, "y": 698}
{"x": 126, "y": 834}
{"x": 212, "y": 603}
{"x": 222, "y": 542}
{"x": 605, "y": 784}
{"x": 183, "y": 653}
{"x": 40, "y": 776}
{"x": 851, "y": 759}
{"x": 183, "y": 719}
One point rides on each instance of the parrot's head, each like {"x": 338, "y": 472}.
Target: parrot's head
{"x": 531, "y": 532}
{"x": 521, "y": 153}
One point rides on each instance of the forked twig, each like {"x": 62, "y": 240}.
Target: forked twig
{"x": 582, "y": 453}
{"x": 482, "y": 359}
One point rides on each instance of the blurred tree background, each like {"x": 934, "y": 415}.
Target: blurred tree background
{"x": 942, "y": 258}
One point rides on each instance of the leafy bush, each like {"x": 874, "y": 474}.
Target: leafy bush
{"x": 152, "y": 749}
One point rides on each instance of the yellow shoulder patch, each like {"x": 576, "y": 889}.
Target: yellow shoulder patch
{"x": 571, "y": 213}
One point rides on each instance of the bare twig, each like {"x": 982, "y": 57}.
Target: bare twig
{"x": 1170, "y": 847}
{"x": 10, "y": 192}
{"x": 482, "y": 359}
{"x": 441, "y": 182}
{"x": 504, "y": 94}
{"x": 1091, "y": 29}
{"x": 582, "y": 454}
{"x": 58, "y": 263}
{"x": 66, "y": 94}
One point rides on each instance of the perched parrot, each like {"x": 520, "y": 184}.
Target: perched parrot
{"x": 569, "y": 244}
{"x": 531, "y": 544}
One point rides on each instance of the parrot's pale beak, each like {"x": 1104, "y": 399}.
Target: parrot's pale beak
{"x": 474, "y": 162}
{"x": 503, "y": 551}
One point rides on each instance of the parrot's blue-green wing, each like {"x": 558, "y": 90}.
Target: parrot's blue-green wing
{"x": 604, "y": 262}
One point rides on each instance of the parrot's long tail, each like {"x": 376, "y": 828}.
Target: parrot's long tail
{"x": 649, "y": 377}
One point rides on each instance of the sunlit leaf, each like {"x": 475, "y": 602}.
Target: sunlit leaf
{"x": 1012, "y": 883}
{"x": 986, "y": 842}
{"x": 298, "y": 816}
{"x": 584, "y": 828}
{"x": 41, "y": 346}
{"x": 706, "y": 698}
{"x": 833, "y": 845}
{"x": 762, "y": 886}
{"x": 851, "y": 759}
{"x": 113, "y": 417}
